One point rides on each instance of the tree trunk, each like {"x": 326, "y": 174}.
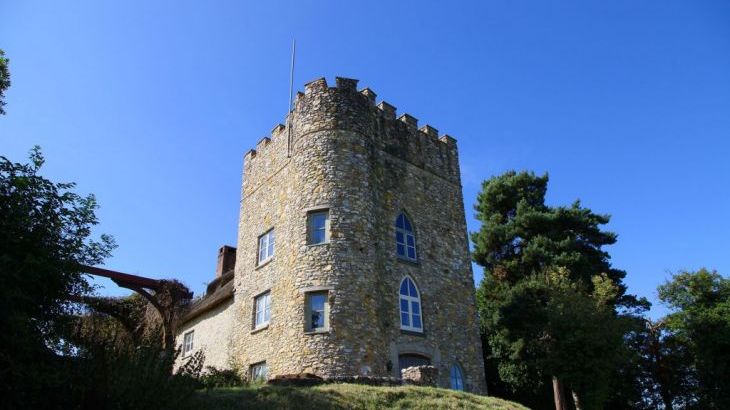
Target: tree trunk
{"x": 558, "y": 394}
{"x": 576, "y": 402}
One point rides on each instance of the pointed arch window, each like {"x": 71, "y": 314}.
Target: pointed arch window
{"x": 405, "y": 240}
{"x": 410, "y": 306}
{"x": 456, "y": 377}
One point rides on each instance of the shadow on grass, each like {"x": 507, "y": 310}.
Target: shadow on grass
{"x": 270, "y": 397}
{"x": 346, "y": 396}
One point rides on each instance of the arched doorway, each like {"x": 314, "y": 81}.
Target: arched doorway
{"x": 412, "y": 359}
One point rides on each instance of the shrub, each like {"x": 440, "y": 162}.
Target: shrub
{"x": 213, "y": 377}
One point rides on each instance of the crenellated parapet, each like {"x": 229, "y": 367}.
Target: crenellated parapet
{"x": 345, "y": 108}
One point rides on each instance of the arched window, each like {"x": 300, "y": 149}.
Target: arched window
{"x": 405, "y": 240}
{"x": 410, "y": 306}
{"x": 457, "y": 377}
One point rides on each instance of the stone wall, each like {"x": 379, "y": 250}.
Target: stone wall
{"x": 420, "y": 375}
{"x": 364, "y": 165}
{"x": 212, "y": 336}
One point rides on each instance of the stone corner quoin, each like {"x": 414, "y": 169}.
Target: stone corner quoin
{"x": 329, "y": 279}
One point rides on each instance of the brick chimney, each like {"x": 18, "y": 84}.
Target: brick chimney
{"x": 226, "y": 260}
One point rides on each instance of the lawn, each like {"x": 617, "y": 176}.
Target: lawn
{"x": 346, "y": 396}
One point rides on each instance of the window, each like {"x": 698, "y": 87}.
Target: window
{"x": 457, "y": 377}
{"x": 316, "y": 311}
{"x": 412, "y": 359}
{"x": 259, "y": 372}
{"x": 188, "y": 342}
{"x": 266, "y": 246}
{"x": 263, "y": 310}
{"x": 318, "y": 227}
{"x": 410, "y": 306}
{"x": 405, "y": 240}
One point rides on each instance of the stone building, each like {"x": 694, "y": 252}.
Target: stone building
{"x": 352, "y": 254}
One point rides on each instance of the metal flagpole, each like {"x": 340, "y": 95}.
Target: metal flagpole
{"x": 291, "y": 94}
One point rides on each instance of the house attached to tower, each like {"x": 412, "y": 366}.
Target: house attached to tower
{"x": 352, "y": 254}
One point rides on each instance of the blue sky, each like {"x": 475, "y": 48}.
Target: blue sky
{"x": 151, "y": 106}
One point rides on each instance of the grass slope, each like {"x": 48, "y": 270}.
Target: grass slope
{"x": 346, "y": 396}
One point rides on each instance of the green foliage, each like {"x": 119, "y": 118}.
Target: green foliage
{"x": 137, "y": 378}
{"x": 548, "y": 301}
{"x": 701, "y": 321}
{"x": 521, "y": 236}
{"x": 346, "y": 396}
{"x": 215, "y": 378}
{"x": 547, "y": 325}
{"x": 4, "y": 79}
{"x": 45, "y": 231}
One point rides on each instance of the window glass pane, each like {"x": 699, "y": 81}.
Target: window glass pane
{"x": 399, "y": 221}
{"x": 263, "y": 310}
{"x": 316, "y": 301}
{"x": 412, "y": 288}
{"x": 412, "y": 253}
{"x": 404, "y": 305}
{"x": 317, "y": 320}
{"x": 318, "y": 220}
{"x": 407, "y": 224}
{"x": 401, "y": 249}
{"x": 417, "y": 321}
{"x": 410, "y": 240}
{"x": 317, "y": 226}
{"x": 404, "y": 287}
{"x": 399, "y": 237}
{"x": 404, "y": 319}
{"x": 416, "y": 308}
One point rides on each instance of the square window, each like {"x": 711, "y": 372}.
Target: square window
{"x": 259, "y": 372}
{"x": 188, "y": 342}
{"x": 266, "y": 246}
{"x": 316, "y": 311}
{"x": 318, "y": 227}
{"x": 262, "y": 311}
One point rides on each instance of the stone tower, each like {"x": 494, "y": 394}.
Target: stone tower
{"x": 352, "y": 254}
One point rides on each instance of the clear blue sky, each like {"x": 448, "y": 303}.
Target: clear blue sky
{"x": 151, "y": 106}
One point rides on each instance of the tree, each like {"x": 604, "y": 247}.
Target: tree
{"x": 45, "y": 231}
{"x": 549, "y": 299}
{"x": 701, "y": 320}
{"x": 4, "y": 79}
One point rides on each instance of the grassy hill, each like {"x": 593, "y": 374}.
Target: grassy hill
{"x": 346, "y": 396}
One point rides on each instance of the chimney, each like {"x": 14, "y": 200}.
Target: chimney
{"x": 226, "y": 260}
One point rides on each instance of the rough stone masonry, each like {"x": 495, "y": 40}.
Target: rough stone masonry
{"x": 342, "y": 155}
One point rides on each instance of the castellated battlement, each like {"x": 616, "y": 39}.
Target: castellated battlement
{"x": 344, "y": 108}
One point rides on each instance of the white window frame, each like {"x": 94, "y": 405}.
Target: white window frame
{"x": 311, "y": 228}
{"x": 406, "y": 235}
{"x": 456, "y": 377}
{"x": 262, "y": 310}
{"x": 308, "y": 312}
{"x": 259, "y": 371}
{"x": 188, "y": 342}
{"x": 267, "y": 246}
{"x": 410, "y": 299}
